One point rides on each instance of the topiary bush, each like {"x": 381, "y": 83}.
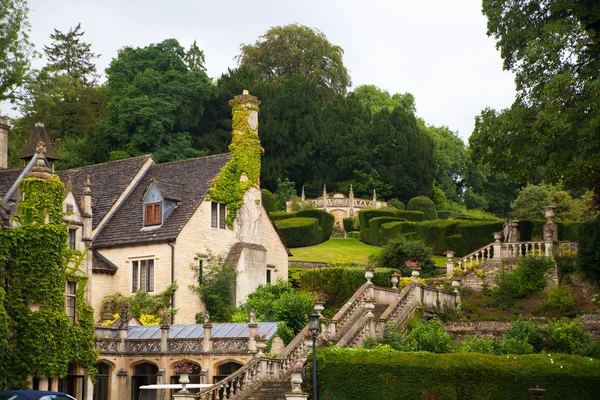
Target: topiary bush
{"x": 279, "y": 215}
{"x": 424, "y": 204}
{"x": 416, "y": 216}
{"x": 397, "y": 204}
{"x": 299, "y": 232}
{"x": 325, "y": 222}
{"x": 350, "y": 224}
{"x": 364, "y": 216}
{"x": 588, "y": 249}
{"x": 391, "y": 230}
{"x": 399, "y": 250}
{"x": 269, "y": 201}
{"x": 448, "y": 214}
{"x": 375, "y": 232}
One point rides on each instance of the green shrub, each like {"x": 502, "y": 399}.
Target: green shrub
{"x": 559, "y": 299}
{"x": 566, "y": 264}
{"x": 458, "y": 376}
{"x": 391, "y": 230}
{"x": 399, "y": 250}
{"x": 299, "y": 232}
{"x": 375, "y": 233}
{"x": 269, "y": 201}
{"x": 523, "y": 337}
{"x": 565, "y": 336}
{"x": 364, "y": 216}
{"x": 527, "y": 277}
{"x": 568, "y": 231}
{"x": 435, "y": 233}
{"x": 415, "y": 216}
{"x": 425, "y": 204}
{"x": 218, "y": 291}
{"x": 588, "y": 251}
{"x": 473, "y": 235}
{"x": 354, "y": 235}
{"x": 350, "y": 224}
{"x": 476, "y": 344}
{"x": 397, "y": 204}
{"x": 325, "y": 222}
{"x": 279, "y": 215}
{"x": 447, "y": 214}
{"x": 428, "y": 336}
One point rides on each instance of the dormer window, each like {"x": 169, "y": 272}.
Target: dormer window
{"x": 153, "y": 214}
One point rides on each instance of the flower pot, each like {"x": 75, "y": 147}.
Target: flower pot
{"x": 184, "y": 379}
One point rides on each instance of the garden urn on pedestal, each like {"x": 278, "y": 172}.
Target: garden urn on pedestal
{"x": 394, "y": 279}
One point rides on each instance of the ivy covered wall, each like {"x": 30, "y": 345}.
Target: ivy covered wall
{"x": 36, "y": 335}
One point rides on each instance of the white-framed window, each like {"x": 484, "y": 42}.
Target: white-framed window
{"x": 71, "y": 301}
{"x": 218, "y": 212}
{"x": 142, "y": 277}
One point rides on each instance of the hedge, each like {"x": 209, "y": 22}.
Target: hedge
{"x": 425, "y": 204}
{"x": 472, "y": 235}
{"x": 364, "y": 216}
{"x": 350, "y": 224}
{"x": 588, "y": 249}
{"x": 391, "y": 230}
{"x": 354, "y": 235}
{"x": 417, "y": 216}
{"x": 325, "y": 222}
{"x": 447, "y": 214}
{"x": 299, "y": 232}
{"x": 387, "y": 374}
{"x": 375, "y": 235}
{"x": 434, "y": 234}
{"x": 279, "y": 215}
{"x": 534, "y": 230}
{"x": 269, "y": 201}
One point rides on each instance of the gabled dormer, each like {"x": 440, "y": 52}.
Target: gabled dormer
{"x": 159, "y": 201}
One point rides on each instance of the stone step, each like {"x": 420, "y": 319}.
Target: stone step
{"x": 270, "y": 390}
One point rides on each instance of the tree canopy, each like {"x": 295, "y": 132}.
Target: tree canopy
{"x": 553, "y": 47}
{"x": 297, "y": 50}
{"x": 15, "y": 48}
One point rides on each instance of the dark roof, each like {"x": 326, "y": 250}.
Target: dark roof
{"x": 7, "y": 178}
{"x": 102, "y": 265}
{"x": 194, "y": 175}
{"x": 109, "y": 180}
{"x": 38, "y": 133}
{"x": 235, "y": 252}
{"x": 169, "y": 190}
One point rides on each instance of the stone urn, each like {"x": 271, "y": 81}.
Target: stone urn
{"x": 296, "y": 381}
{"x": 394, "y": 279}
{"x": 369, "y": 274}
{"x": 184, "y": 379}
{"x": 416, "y": 271}
{"x": 261, "y": 344}
{"x": 497, "y": 236}
{"x": 319, "y": 307}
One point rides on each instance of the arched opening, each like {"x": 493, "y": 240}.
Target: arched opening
{"x": 225, "y": 370}
{"x": 194, "y": 376}
{"x": 102, "y": 381}
{"x": 72, "y": 383}
{"x": 144, "y": 374}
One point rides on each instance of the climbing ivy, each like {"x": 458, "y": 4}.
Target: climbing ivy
{"x": 35, "y": 264}
{"x": 230, "y": 186}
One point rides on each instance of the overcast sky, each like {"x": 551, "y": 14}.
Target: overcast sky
{"x": 435, "y": 49}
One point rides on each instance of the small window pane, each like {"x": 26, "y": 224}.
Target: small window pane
{"x": 143, "y": 276}
{"x": 71, "y": 287}
{"x": 150, "y": 285}
{"x": 134, "y": 277}
{"x": 222, "y": 214}
{"x": 72, "y": 236}
{"x": 214, "y": 214}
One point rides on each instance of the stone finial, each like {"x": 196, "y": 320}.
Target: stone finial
{"x": 303, "y": 196}
{"x": 374, "y": 195}
{"x": 206, "y": 317}
{"x": 40, "y": 169}
{"x": 351, "y": 192}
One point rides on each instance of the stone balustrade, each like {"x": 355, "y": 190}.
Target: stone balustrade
{"x": 348, "y": 311}
{"x": 174, "y": 346}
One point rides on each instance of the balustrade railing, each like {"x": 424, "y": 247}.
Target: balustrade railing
{"x": 394, "y": 311}
{"x": 349, "y": 310}
{"x": 143, "y": 346}
{"x": 295, "y": 350}
{"x": 356, "y": 334}
{"x": 236, "y": 383}
{"x": 475, "y": 258}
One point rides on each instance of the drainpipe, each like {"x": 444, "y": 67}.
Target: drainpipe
{"x": 172, "y": 278}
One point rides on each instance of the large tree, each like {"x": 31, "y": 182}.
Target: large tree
{"x": 300, "y": 51}
{"x": 15, "y": 48}
{"x": 155, "y": 103}
{"x": 553, "y": 47}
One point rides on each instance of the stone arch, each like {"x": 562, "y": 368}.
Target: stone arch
{"x": 103, "y": 379}
{"x": 144, "y": 373}
{"x": 339, "y": 214}
{"x": 226, "y": 367}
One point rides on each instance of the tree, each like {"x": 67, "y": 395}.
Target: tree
{"x": 376, "y": 99}
{"x": 195, "y": 58}
{"x": 155, "y": 103}
{"x": 297, "y": 50}
{"x": 553, "y": 47}
{"x": 74, "y": 58}
{"x": 15, "y": 48}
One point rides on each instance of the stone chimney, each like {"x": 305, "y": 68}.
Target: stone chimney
{"x": 3, "y": 143}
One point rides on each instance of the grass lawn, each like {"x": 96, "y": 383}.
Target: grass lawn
{"x": 335, "y": 250}
{"x": 338, "y": 250}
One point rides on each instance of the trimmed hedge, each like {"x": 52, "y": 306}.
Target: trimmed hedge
{"x": 434, "y": 234}
{"x": 299, "y": 232}
{"x": 588, "y": 249}
{"x": 447, "y": 214}
{"x": 393, "y": 375}
{"x": 425, "y": 204}
{"x": 269, "y": 201}
{"x": 375, "y": 236}
{"x": 391, "y": 230}
{"x": 364, "y": 216}
{"x": 279, "y": 215}
{"x": 354, "y": 235}
{"x": 416, "y": 216}
{"x": 473, "y": 235}
{"x": 530, "y": 230}
{"x": 325, "y": 222}
{"x": 350, "y": 224}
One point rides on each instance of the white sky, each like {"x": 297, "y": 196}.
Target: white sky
{"x": 435, "y": 49}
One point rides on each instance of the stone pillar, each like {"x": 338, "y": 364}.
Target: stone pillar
{"x": 207, "y": 344}
{"x": 164, "y": 337}
{"x": 324, "y": 197}
{"x": 3, "y": 143}
{"x": 351, "y": 201}
{"x": 450, "y": 263}
{"x": 303, "y": 196}
{"x": 497, "y": 246}
{"x": 252, "y": 330}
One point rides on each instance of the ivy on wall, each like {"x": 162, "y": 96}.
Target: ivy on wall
{"x": 35, "y": 263}
{"x": 230, "y": 187}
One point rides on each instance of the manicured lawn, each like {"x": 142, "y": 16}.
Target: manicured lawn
{"x": 335, "y": 251}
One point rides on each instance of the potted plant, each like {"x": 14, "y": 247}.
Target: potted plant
{"x": 184, "y": 369}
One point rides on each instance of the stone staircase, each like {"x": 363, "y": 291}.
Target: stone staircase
{"x": 365, "y": 314}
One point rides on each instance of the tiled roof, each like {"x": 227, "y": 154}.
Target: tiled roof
{"x": 169, "y": 190}
{"x": 38, "y": 133}
{"x": 103, "y": 265}
{"x": 195, "y": 177}
{"x": 108, "y": 180}
{"x": 7, "y": 178}
{"x": 235, "y": 252}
